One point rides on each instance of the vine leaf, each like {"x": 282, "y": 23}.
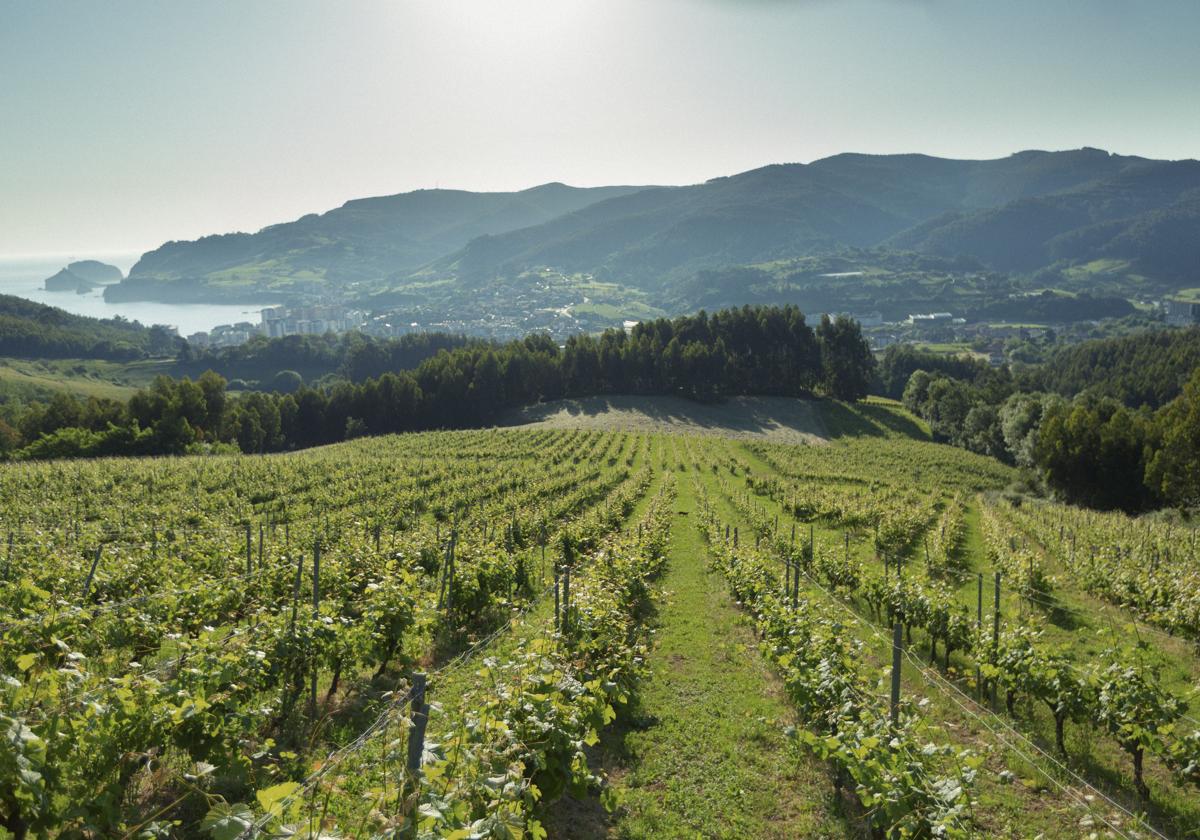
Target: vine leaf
{"x": 227, "y": 822}
{"x": 271, "y": 799}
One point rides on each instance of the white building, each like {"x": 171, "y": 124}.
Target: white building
{"x": 279, "y": 321}
{"x": 1182, "y": 313}
{"x": 929, "y": 318}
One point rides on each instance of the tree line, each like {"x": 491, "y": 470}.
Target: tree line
{"x": 1113, "y": 441}
{"x": 752, "y": 350}
{"x": 31, "y": 330}
{"x": 282, "y": 364}
{"x": 1145, "y": 368}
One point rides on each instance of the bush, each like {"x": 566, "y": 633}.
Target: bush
{"x": 287, "y": 382}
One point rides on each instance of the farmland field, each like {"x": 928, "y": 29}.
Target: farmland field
{"x": 615, "y": 633}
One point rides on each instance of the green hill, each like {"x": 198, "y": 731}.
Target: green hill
{"x": 1088, "y": 220}
{"x": 31, "y": 330}
{"x": 362, "y": 241}
{"x": 1149, "y": 213}
{"x": 785, "y": 211}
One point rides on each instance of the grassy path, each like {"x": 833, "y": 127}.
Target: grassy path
{"x": 707, "y": 756}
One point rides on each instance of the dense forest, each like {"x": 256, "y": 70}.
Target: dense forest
{"x": 901, "y": 361}
{"x": 1054, "y": 308}
{"x": 753, "y": 350}
{"x": 31, "y": 330}
{"x": 1146, "y": 368}
{"x": 282, "y": 364}
{"x": 1113, "y": 423}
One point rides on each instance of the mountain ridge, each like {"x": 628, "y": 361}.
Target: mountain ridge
{"x": 362, "y": 239}
{"x": 1032, "y": 211}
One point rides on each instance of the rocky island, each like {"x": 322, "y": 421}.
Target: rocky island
{"x": 84, "y": 276}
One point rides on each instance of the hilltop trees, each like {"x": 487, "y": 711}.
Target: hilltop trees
{"x": 1173, "y": 470}
{"x": 846, "y": 360}
{"x": 901, "y": 361}
{"x": 1020, "y": 417}
{"x": 1146, "y": 368}
{"x": 1095, "y": 449}
{"x": 752, "y": 350}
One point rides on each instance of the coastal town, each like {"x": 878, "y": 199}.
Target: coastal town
{"x": 993, "y": 339}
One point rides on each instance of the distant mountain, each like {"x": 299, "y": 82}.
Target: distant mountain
{"x": 850, "y": 200}
{"x": 83, "y": 276}
{"x": 1081, "y": 217}
{"x": 651, "y": 236}
{"x": 362, "y": 241}
{"x": 1149, "y": 212}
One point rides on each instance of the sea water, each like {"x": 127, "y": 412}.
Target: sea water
{"x": 25, "y": 277}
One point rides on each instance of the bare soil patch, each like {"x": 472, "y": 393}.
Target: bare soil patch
{"x": 777, "y": 419}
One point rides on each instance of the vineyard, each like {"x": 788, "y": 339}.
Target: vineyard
{"x": 489, "y": 633}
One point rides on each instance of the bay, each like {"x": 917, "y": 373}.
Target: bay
{"x": 25, "y": 277}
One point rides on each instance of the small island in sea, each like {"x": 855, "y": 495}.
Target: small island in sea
{"x": 84, "y": 276}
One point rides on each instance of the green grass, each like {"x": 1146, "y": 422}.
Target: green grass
{"x": 1023, "y": 808}
{"x": 1031, "y": 803}
{"x": 949, "y": 348}
{"x": 706, "y": 755}
{"x": 614, "y": 312}
{"x": 273, "y": 273}
{"x": 876, "y": 417}
{"x": 1103, "y": 266}
{"x": 29, "y": 379}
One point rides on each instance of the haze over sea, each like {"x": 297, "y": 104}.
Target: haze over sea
{"x": 25, "y": 277}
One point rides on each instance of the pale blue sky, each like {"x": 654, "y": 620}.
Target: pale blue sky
{"x": 124, "y": 124}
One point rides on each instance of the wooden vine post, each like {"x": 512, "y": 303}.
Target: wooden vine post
{"x": 897, "y": 642}
{"x": 316, "y": 605}
{"x": 979, "y": 628}
{"x": 296, "y": 593}
{"x": 795, "y": 586}
{"x": 87, "y": 584}
{"x": 557, "y": 606}
{"x": 995, "y": 632}
{"x": 419, "y": 719}
{"x": 566, "y": 608}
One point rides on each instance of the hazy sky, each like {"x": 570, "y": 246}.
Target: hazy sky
{"x": 124, "y": 124}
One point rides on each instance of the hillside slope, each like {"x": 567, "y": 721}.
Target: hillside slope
{"x": 1030, "y": 211}
{"x": 31, "y": 330}
{"x": 779, "y": 419}
{"x": 849, "y": 200}
{"x": 363, "y": 240}
{"x": 1150, "y": 212}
